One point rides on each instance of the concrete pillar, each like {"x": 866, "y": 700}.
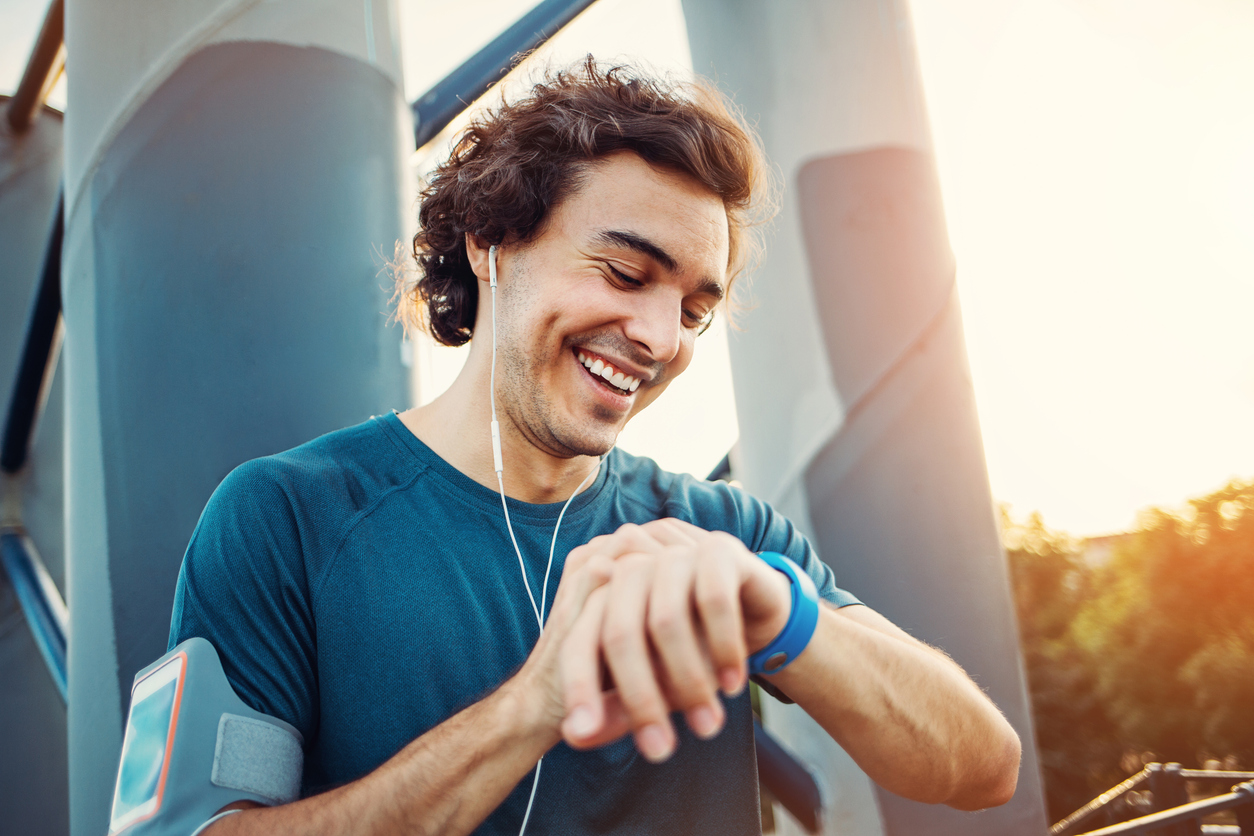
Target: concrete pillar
{"x": 236, "y": 181}
{"x": 855, "y": 404}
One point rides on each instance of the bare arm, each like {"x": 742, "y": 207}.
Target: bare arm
{"x": 906, "y": 713}
{"x": 909, "y": 716}
{"x": 445, "y": 782}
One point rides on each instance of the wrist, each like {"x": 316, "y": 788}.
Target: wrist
{"x": 801, "y": 622}
{"x": 530, "y": 711}
{"x": 771, "y": 623}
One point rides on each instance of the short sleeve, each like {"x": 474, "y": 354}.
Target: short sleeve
{"x": 766, "y": 530}
{"x": 243, "y": 587}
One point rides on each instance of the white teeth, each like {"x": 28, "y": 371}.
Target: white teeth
{"x": 603, "y": 370}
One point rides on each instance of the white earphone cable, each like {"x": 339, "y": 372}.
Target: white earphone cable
{"x": 497, "y": 462}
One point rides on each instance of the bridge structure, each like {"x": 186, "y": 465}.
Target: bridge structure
{"x": 204, "y": 225}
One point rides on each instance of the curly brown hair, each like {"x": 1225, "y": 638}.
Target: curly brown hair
{"x": 511, "y": 167}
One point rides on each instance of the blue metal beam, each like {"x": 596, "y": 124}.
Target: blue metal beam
{"x": 41, "y": 603}
{"x": 460, "y": 88}
{"x": 38, "y": 352}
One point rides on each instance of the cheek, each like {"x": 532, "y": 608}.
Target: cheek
{"x": 673, "y": 370}
{"x": 649, "y": 398}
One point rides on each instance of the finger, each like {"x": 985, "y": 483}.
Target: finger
{"x": 690, "y": 682}
{"x": 616, "y": 724}
{"x": 717, "y": 596}
{"x": 672, "y": 532}
{"x": 578, "y": 582}
{"x": 626, "y": 651}
{"x": 581, "y": 672}
{"x": 627, "y": 539}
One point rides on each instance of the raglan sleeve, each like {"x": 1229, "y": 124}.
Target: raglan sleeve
{"x": 243, "y": 586}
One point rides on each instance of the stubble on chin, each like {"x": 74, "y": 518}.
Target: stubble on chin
{"x": 545, "y": 424}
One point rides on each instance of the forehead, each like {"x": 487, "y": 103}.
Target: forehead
{"x": 623, "y": 193}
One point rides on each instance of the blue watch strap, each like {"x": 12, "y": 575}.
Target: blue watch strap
{"x": 802, "y": 620}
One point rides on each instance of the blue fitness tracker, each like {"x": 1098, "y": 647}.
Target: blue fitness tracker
{"x": 802, "y": 620}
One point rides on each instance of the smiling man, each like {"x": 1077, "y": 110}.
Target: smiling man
{"x": 386, "y": 589}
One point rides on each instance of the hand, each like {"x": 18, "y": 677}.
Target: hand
{"x": 538, "y": 683}
{"x": 674, "y": 623}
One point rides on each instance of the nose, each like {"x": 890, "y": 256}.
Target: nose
{"x": 654, "y": 322}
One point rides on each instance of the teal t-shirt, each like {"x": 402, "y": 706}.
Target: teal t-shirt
{"x": 362, "y": 589}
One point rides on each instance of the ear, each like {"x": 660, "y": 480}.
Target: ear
{"x": 477, "y": 255}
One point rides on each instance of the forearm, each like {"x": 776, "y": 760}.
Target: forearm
{"x": 446, "y": 782}
{"x": 909, "y": 716}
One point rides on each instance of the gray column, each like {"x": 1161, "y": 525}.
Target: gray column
{"x": 855, "y": 404}
{"x": 237, "y": 182}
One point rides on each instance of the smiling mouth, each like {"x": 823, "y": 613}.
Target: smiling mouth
{"x": 610, "y": 377}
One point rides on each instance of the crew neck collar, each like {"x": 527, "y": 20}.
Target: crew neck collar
{"x": 482, "y": 494}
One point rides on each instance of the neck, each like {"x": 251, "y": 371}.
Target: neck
{"x": 456, "y": 426}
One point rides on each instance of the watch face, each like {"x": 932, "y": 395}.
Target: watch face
{"x": 146, "y": 747}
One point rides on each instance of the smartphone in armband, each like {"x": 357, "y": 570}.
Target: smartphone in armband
{"x": 149, "y": 742}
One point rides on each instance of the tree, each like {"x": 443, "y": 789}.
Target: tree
{"x": 1076, "y": 740}
{"x": 1150, "y": 656}
{"x": 1173, "y": 625}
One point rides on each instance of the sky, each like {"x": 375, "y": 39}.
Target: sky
{"x": 1097, "y": 163}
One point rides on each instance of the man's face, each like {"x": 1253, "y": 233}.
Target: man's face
{"x": 624, "y": 275}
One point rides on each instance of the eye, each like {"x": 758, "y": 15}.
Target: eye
{"x": 622, "y": 278}
{"x": 701, "y": 322}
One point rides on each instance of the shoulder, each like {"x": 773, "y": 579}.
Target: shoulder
{"x": 266, "y": 535}
{"x": 293, "y": 508}
{"x": 712, "y": 505}
{"x": 337, "y": 473}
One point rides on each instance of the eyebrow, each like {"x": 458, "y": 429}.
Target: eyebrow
{"x": 642, "y": 245}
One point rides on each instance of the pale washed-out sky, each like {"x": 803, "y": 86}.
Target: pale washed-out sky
{"x": 1097, "y": 162}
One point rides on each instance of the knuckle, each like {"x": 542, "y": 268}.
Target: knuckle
{"x": 629, "y": 533}
{"x": 618, "y": 639}
{"x": 714, "y": 598}
{"x": 631, "y": 564}
{"x": 665, "y": 623}
{"x": 642, "y": 702}
{"x": 691, "y": 688}
{"x": 600, "y": 568}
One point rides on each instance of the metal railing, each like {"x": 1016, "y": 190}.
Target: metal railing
{"x": 1172, "y": 813}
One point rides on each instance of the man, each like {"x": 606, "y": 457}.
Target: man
{"x": 375, "y": 589}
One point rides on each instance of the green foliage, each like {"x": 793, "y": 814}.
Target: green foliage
{"x": 1075, "y": 739}
{"x": 1149, "y": 655}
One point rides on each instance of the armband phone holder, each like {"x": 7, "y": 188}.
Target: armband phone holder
{"x": 192, "y": 747}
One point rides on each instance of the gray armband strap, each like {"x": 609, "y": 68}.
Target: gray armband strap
{"x": 192, "y": 747}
